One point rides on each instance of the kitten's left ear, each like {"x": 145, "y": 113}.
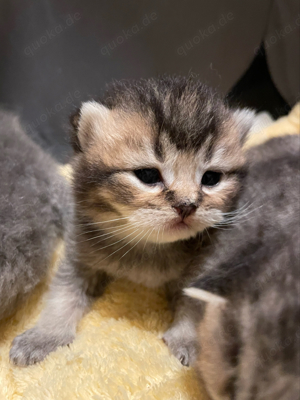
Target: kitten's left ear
{"x": 74, "y": 120}
{"x": 244, "y": 119}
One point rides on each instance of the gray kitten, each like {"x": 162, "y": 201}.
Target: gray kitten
{"x": 156, "y": 163}
{"x": 34, "y": 209}
{"x": 249, "y": 334}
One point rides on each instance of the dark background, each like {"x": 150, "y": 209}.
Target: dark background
{"x": 56, "y": 54}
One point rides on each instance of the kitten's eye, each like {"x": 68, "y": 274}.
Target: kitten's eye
{"x": 148, "y": 175}
{"x": 211, "y": 178}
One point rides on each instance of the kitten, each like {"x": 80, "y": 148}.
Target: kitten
{"x": 157, "y": 162}
{"x": 34, "y": 209}
{"x": 250, "y": 282}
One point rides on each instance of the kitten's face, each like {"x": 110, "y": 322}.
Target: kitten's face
{"x": 167, "y": 186}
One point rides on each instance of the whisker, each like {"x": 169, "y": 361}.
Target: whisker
{"x": 238, "y": 210}
{"x": 242, "y": 217}
{"x": 241, "y": 211}
{"x": 225, "y": 228}
{"x": 202, "y": 238}
{"x": 111, "y": 236}
{"x": 135, "y": 244}
{"x": 147, "y": 239}
{"x": 121, "y": 247}
{"x": 95, "y": 229}
{"x": 162, "y": 233}
{"x": 206, "y": 230}
{"x": 233, "y": 215}
{"x": 117, "y": 241}
{"x": 102, "y": 222}
{"x": 108, "y": 233}
{"x": 157, "y": 237}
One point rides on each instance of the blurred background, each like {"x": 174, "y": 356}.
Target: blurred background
{"x": 54, "y": 54}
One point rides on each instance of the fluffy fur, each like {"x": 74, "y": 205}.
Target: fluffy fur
{"x": 121, "y": 334}
{"x": 34, "y": 210}
{"x": 249, "y": 334}
{"x": 148, "y": 233}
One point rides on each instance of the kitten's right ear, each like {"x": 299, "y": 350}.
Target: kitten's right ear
{"x": 244, "y": 119}
{"x": 87, "y": 124}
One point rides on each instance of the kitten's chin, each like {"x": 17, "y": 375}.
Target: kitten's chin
{"x": 174, "y": 237}
{"x": 175, "y": 232}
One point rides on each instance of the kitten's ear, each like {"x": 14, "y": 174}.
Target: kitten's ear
{"x": 87, "y": 124}
{"x": 205, "y": 296}
{"x": 74, "y": 120}
{"x": 244, "y": 119}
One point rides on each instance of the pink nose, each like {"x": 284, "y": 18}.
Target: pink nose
{"x": 185, "y": 209}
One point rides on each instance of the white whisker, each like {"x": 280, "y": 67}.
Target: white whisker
{"x": 147, "y": 239}
{"x": 135, "y": 244}
{"x": 122, "y": 246}
{"x": 115, "y": 234}
{"x": 157, "y": 238}
{"x": 238, "y": 218}
{"x": 109, "y": 233}
{"x": 95, "y": 229}
{"x": 117, "y": 241}
{"x": 206, "y": 230}
{"x": 101, "y": 222}
{"x": 239, "y": 210}
{"x": 162, "y": 234}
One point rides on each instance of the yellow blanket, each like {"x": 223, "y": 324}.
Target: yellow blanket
{"x": 118, "y": 352}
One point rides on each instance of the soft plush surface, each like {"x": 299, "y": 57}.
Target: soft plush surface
{"x": 284, "y": 125}
{"x": 118, "y": 352}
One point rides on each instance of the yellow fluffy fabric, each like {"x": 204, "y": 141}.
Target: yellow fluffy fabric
{"x": 118, "y": 352}
{"x": 289, "y": 124}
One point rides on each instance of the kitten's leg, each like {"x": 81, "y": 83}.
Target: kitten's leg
{"x": 70, "y": 296}
{"x": 181, "y": 337}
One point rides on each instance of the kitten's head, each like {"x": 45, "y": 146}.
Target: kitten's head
{"x": 162, "y": 154}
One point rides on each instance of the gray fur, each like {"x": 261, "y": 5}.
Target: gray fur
{"x": 254, "y": 265}
{"x": 34, "y": 210}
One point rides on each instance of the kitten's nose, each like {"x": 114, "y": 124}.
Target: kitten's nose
{"x": 185, "y": 209}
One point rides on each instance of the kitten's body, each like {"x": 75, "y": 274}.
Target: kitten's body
{"x": 250, "y": 344}
{"x": 168, "y": 130}
{"x": 34, "y": 209}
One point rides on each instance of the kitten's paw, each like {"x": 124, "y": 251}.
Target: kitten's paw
{"x": 184, "y": 349}
{"x": 33, "y": 346}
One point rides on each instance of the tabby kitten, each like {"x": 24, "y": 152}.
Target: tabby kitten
{"x": 156, "y": 163}
{"x": 250, "y": 283}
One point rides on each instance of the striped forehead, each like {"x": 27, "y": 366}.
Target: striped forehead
{"x": 177, "y": 164}
{"x": 222, "y": 153}
{"x": 128, "y": 140}
{"x": 125, "y": 141}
